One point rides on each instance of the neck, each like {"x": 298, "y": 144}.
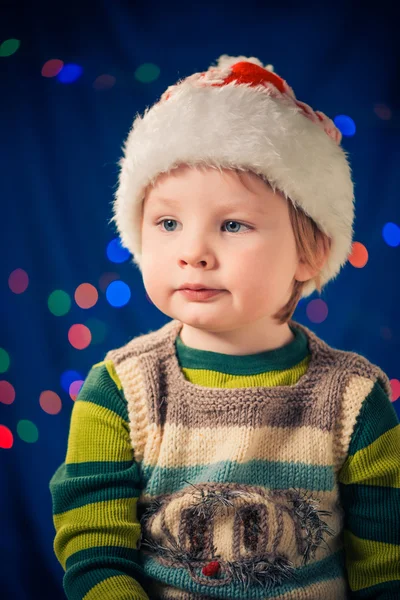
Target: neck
{"x": 250, "y": 339}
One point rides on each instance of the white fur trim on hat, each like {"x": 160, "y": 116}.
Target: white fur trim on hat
{"x": 243, "y": 127}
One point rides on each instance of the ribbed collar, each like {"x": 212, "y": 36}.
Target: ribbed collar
{"x": 271, "y": 360}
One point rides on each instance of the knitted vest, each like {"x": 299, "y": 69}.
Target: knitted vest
{"x": 239, "y": 486}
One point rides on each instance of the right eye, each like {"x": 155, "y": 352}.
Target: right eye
{"x": 166, "y": 221}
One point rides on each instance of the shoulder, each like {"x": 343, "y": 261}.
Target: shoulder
{"x": 364, "y": 375}
{"x": 353, "y": 372}
{"x": 159, "y": 341}
{"x": 361, "y": 391}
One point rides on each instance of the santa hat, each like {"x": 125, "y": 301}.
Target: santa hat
{"x": 240, "y": 114}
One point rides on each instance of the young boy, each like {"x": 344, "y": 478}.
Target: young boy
{"x": 232, "y": 453}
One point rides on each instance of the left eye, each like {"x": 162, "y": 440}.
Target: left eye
{"x": 236, "y": 223}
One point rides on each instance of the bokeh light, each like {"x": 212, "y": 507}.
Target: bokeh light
{"x": 106, "y": 278}
{"x": 116, "y": 252}
{"x": 383, "y": 112}
{"x": 18, "y": 281}
{"x": 147, "y": 73}
{"x": 4, "y": 360}
{"x": 345, "y": 124}
{"x": 75, "y": 388}
{"x": 98, "y": 329}
{"x": 358, "y": 256}
{"x": 104, "y": 82}
{"x": 27, "y": 431}
{"x": 118, "y": 293}
{"x": 317, "y": 310}
{"x": 69, "y": 73}
{"x": 9, "y": 47}
{"x": 86, "y": 295}
{"x": 52, "y": 67}
{"x": 79, "y": 336}
{"x": 7, "y": 392}
{"x": 395, "y": 385}
{"x": 391, "y": 234}
{"x": 69, "y": 377}
{"x": 6, "y": 438}
{"x": 59, "y": 303}
{"x": 50, "y": 402}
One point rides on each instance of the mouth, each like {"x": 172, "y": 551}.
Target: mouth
{"x": 201, "y": 294}
{"x": 196, "y": 288}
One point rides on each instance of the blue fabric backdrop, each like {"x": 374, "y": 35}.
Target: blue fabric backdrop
{"x": 60, "y": 145}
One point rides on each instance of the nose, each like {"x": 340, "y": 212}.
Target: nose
{"x": 196, "y": 253}
{"x": 195, "y": 260}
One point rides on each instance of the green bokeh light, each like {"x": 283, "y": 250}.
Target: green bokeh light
{"x": 9, "y": 47}
{"x": 98, "y": 329}
{"x": 59, "y": 303}
{"x": 27, "y": 431}
{"x": 147, "y": 72}
{"x": 4, "y": 360}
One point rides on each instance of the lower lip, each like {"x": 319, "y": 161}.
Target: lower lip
{"x": 200, "y": 294}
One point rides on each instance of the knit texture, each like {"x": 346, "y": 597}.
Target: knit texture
{"x": 192, "y": 474}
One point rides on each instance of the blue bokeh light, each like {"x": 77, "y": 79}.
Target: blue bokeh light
{"x": 69, "y": 377}
{"x": 391, "y": 234}
{"x": 69, "y": 73}
{"x": 345, "y": 124}
{"x": 116, "y": 253}
{"x": 118, "y": 293}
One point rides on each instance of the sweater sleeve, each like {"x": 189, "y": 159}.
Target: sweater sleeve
{"x": 369, "y": 484}
{"x": 94, "y": 496}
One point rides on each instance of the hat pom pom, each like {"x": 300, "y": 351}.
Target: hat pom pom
{"x": 225, "y": 61}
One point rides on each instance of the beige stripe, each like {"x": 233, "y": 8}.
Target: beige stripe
{"x": 353, "y": 396}
{"x": 223, "y": 541}
{"x": 184, "y": 446}
{"x": 130, "y": 375}
{"x": 173, "y": 513}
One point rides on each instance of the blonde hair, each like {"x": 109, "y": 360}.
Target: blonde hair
{"x": 309, "y": 240}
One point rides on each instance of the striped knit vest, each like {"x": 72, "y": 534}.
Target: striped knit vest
{"x": 214, "y": 518}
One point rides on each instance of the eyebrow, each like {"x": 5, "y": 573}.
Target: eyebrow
{"x": 169, "y": 201}
{"x": 222, "y": 208}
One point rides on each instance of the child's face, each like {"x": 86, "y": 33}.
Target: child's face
{"x": 253, "y": 263}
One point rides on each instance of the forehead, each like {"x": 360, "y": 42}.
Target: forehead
{"x": 230, "y": 189}
{"x": 219, "y": 205}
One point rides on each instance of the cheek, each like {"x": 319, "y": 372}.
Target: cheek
{"x": 264, "y": 266}
{"x": 153, "y": 252}
{"x": 252, "y": 262}
{"x": 155, "y": 275}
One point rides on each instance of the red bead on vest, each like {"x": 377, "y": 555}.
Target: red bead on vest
{"x": 211, "y": 569}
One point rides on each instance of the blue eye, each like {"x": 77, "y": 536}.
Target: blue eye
{"x": 236, "y": 223}
{"x": 229, "y": 222}
{"x": 166, "y": 221}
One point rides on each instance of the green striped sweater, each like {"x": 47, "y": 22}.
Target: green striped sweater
{"x": 192, "y": 474}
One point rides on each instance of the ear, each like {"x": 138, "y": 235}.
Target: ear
{"x": 304, "y": 272}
